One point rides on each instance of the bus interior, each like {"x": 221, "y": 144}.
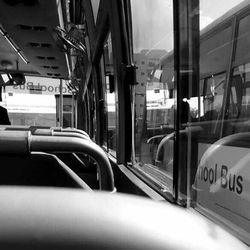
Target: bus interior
{"x": 124, "y": 124}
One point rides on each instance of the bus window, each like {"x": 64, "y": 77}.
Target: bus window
{"x": 215, "y": 59}
{"x": 243, "y": 40}
{"x": 154, "y": 109}
{"x": 213, "y": 96}
{"x": 219, "y": 141}
{"x": 239, "y": 104}
{"x": 34, "y": 103}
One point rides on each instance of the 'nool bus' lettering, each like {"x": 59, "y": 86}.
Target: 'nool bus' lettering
{"x": 227, "y": 180}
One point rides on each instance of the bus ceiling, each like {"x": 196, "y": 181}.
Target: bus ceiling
{"x": 35, "y": 42}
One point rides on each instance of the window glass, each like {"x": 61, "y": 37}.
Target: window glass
{"x": 219, "y": 157}
{"x": 239, "y": 102}
{"x": 34, "y": 103}
{"x": 86, "y": 113}
{"x": 68, "y": 113}
{"x": 91, "y": 96}
{"x": 95, "y": 7}
{"x": 212, "y": 103}
{"x": 105, "y": 115}
{"x": 154, "y": 94}
{"x": 243, "y": 38}
{"x": 110, "y": 94}
{"x": 214, "y": 60}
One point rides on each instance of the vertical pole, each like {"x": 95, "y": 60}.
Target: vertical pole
{"x": 75, "y": 110}
{"x": 61, "y": 104}
{"x": 72, "y": 110}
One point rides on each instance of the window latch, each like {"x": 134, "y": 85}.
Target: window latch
{"x": 130, "y": 71}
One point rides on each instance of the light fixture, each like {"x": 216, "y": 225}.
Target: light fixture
{"x": 6, "y": 64}
{"x": 2, "y": 32}
{"x": 17, "y": 50}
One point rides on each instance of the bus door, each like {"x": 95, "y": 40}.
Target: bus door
{"x": 66, "y": 112}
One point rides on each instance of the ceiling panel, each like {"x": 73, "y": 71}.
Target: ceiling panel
{"x": 30, "y": 27}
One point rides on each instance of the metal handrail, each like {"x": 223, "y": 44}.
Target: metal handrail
{"x": 44, "y": 130}
{"x": 23, "y": 143}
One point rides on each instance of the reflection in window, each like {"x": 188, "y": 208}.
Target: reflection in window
{"x": 153, "y": 95}
{"x": 34, "y": 103}
{"x": 242, "y": 40}
{"x": 219, "y": 136}
{"x": 110, "y": 93}
{"x": 239, "y": 106}
{"x": 213, "y": 96}
{"x": 215, "y": 58}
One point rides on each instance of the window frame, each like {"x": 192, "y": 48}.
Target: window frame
{"x": 111, "y": 16}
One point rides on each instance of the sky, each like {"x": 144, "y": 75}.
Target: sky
{"x": 153, "y": 21}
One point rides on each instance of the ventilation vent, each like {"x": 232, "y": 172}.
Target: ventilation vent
{"x": 33, "y": 28}
{"x": 55, "y": 75}
{"x": 50, "y": 67}
{"x": 40, "y": 45}
{"x": 50, "y": 58}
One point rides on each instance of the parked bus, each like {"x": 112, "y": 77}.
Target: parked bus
{"x": 216, "y": 131}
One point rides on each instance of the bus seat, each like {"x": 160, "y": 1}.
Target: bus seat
{"x": 50, "y": 131}
{"x": 74, "y": 161}
{"x": 22, "y": 143}
{"x": 83, "y": 166}
{"x": 37, "y": 169}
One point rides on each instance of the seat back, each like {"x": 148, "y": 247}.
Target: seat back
{"x": 37, "y": 169}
